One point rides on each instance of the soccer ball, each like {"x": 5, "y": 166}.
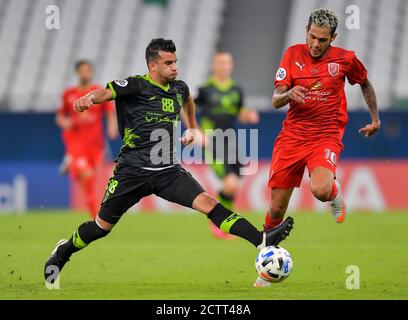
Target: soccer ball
{"x": 273, "y": 264}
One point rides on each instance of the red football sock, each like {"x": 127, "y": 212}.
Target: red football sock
{"x": 334, "y": 191}
{"x": 91, "y": 202}
{"x": 271, "y": 223}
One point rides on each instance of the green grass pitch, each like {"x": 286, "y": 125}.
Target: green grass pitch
{"x": 163, "y": 256}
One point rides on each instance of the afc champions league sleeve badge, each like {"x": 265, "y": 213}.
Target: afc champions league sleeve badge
{"x": 280, "y": 74}
{"x": 121, "y": 83}
{"x": 333, "y": 68}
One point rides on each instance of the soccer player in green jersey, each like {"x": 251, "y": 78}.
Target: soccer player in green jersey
{"x": 147, "y": 107}
{"x": 221, "y": 103}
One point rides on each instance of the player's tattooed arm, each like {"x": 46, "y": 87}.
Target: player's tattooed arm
{"x": 282, "y": 95}
{"x": 371, "y": 100}
{"x": 94, "y": 97}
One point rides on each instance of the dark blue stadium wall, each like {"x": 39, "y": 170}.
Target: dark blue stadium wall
{"x": 31, "y": 150}
{"x": 34, "y": 137}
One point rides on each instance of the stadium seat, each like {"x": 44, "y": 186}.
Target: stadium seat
{"x": 37, "y": 64}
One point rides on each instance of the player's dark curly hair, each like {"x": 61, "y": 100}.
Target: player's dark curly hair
{"x": 156, "y": 45}
{"x": 324, "y": 18}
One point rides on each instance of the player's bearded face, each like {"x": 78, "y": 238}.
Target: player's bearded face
{"x": 318, "y": 40}
{"x": 166, "y": 65}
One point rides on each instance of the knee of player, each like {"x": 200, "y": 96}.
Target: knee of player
{"x": 231, "y": 180}
{"x": 205, "y": 203}
{"x": 230, "y": 188}
{"x": 86, "y": 174}
{"x": 321, "y": 191}
{"x": 103, "y": 225}
{"x": 230, "y": 191}
{"x": 210, "y": 201}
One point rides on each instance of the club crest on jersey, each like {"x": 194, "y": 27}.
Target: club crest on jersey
{"x": 121, "y": 83}
{"x": 334, "y": 69}
{"x": 281, "y": 74}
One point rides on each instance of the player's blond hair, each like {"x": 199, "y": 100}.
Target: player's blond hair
{"x": 324, "y": 18}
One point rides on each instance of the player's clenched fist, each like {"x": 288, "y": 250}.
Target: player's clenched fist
{"x": 297, "y": 94}
{"x": 189, "y": 136}
{"x": 82, "y": 104}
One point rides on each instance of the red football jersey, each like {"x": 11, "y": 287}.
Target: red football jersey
{"x": 86, "y": 134}
{"x": 324, "y": 113}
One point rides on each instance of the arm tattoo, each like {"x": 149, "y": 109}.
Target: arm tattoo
{"x": 370, "y": 98}
{"x": 278, "y": 99}
{"x": 280, "y": 90}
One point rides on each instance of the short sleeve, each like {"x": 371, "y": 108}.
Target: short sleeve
{"x": 283, "y": 75}
{"x": 357, "y": 72}
{"x": 184, "y": 90}
{"x": 125, "y": 87}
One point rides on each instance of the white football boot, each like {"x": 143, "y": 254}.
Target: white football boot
{"x": 337, "y": 205}
{"x": 261, "y": 283}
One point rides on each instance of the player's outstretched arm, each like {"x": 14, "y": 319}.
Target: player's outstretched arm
{"x": 189, "y": 113}
{"x": 190, "y": 121}
{"x": 94, "y": 97}
{"x": 371, "y": 100}
{"x": 282, "y": 95}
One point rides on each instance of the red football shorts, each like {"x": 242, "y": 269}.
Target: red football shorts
{"x": 79, "y": 163}
{"x": 291, "y": 156}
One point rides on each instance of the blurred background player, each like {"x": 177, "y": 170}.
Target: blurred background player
{"x": 82, "y": 134}
{"x": 311, "y": 79}
{"x": 220, "y": 101}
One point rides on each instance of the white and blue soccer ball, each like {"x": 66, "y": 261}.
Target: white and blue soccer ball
{"x": 273, "y": 264}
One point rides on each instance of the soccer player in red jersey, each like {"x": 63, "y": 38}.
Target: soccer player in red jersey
{"x": 82, "y": 133}
{"x": 311, "y": 79}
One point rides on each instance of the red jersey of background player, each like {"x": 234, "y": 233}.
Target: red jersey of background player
{"x": 86, "y": 134}
{"x": 324, "y": 113}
